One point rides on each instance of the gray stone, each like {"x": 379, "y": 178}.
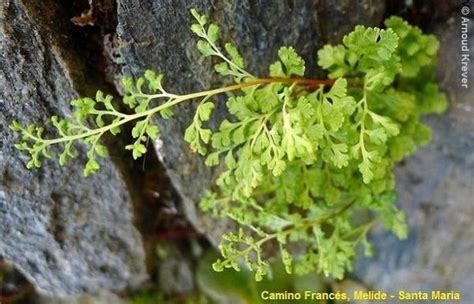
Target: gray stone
{"x": 155, "y": 35}
{"x": 435, "y": 185}
{"x": 175, "y": 273}
{"x": 67, "y": 234}
{"x": 72, "y": 235}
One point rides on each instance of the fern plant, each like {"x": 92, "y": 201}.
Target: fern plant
{"x": 308, "y": 163}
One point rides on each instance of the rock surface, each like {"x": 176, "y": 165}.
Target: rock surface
{"x": 65, "y": 233}
{"x": 435, "y": 185}
{"x": 71, "y": 235}
{"x": 155, "y": 35}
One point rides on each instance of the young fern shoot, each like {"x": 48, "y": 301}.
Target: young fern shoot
{"x": 303, "y": 158}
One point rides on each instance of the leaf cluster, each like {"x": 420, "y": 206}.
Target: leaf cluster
{"x": 304, "y": 165}
{"x": 107, "y": 118}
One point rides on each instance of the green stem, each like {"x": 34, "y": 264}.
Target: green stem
{"x": 181, "y": 98}
{"x": 304, "y": 226}
{"x": 309, "y": 223}
{"x": 363, "y": 101}
{"x": 223, "y": 57}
